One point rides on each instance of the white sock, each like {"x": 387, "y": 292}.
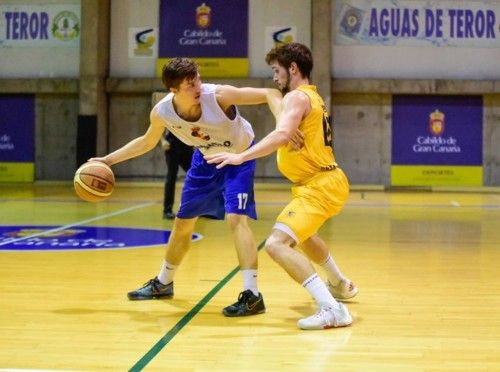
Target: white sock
{"x": 167, "y": 271}
{"x": 332, "y": 271}
{"x": 250, "y": 281}
{"x": 319, "y": 292}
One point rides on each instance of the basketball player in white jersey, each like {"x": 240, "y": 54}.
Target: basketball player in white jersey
{"x": 205, "y": 116}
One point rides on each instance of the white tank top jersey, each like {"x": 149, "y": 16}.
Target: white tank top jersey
{"x": 213, "y": 132}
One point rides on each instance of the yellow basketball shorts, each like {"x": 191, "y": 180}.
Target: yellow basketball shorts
{"x": 319, "y": 199}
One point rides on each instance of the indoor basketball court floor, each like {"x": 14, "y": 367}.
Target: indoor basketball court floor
{"x": 426, "y": 264}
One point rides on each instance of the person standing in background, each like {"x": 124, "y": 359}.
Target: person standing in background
{"x": 177, "y": 153}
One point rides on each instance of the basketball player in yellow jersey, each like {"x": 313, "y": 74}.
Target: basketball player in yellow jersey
{"x": 320, "y": 188}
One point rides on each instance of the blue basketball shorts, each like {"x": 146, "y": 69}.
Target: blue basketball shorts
{"x": 212, "y": 192}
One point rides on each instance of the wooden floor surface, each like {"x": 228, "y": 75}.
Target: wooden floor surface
{"x": 427, "y": 265}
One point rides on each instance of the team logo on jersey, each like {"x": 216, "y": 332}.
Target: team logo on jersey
{"x": 203, "y": 16}
{"x": 436, "y": 123}
{"x": 291, "y": 214}
{"x": 196, "y": 132}
{"x": 215, "y": 144}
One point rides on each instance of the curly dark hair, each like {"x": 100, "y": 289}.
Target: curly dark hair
{"x": 178, "y": 69}
{"x": 293, "y": 52}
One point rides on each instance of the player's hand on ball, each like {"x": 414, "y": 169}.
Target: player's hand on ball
{"x": 102, "y": 160}
{"x": 224, "y": 158}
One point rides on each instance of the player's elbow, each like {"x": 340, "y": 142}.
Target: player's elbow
{"x": 283, "y": 137}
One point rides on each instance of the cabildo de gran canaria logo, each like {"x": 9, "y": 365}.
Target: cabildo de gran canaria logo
{"x": 66, "y": 26}
{"x": 436, "y": 142}
{"x": 203, "y": 16}
{"x": 202, "y": 35}
{"x": 436, "y": 123}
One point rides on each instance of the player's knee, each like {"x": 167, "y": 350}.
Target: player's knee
{"x": 278, "y": 244}
{"x": 184, "y": 226}
{"x": 236, "y": 220}
{"x": 273, "y": 247}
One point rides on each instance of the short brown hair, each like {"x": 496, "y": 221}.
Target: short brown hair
{"x": 293, "y": 52}
{"x": 178, "y": 69}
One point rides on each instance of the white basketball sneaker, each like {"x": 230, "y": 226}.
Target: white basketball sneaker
{"x": 327, "y": 317}
{"x": 342, "y": 291}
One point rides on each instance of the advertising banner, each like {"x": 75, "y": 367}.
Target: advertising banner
{"x": 142, "y": 42}
{"x": 418, "y": 23}
{"x": 40, "y": 25}
{"x": 279, "y": 35}
{"x": 17, "y": 138}
{"x": 437, "y": 140}
{"x": 214, "y": 33}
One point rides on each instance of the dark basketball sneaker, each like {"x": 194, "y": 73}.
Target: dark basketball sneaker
{"x": 169, "y": 215}
{"x": 152, "y": 289}
{"x": 248, "y": 304}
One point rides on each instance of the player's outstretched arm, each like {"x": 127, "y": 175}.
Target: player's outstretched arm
{"x": 274, "y": 99}
{"x": 137, "y": 146}
{"x": 295, "y": 105}
{"x": 228, "y": 95}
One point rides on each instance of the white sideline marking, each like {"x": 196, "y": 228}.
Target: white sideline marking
{"x": 32, "y": 370}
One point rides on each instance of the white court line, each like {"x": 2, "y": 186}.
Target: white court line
{"x": 33, "y": 370}
{"x": 77, "y": 223}
{"x": 455, "y": 203}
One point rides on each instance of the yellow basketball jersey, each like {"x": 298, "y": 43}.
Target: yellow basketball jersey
{"x": 317, "y": 153}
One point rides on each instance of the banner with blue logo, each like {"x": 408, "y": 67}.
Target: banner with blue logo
{"x": 437, "y": 140}
{"x": 214, "y": 33}
{"x": 17, "y": 138}
{"x": 418, "y": 23}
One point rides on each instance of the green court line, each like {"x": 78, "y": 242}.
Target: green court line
{"x": 184, "y": 320}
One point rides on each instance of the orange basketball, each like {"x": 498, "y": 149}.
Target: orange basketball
{"x": 94, "y": 181}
